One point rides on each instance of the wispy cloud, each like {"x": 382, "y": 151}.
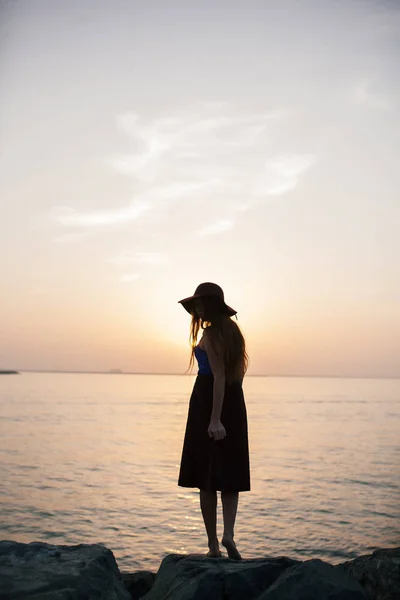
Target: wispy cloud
{"x": 200, "y": 136}
{"x": 210, "y": 154}
{"x": 364, "y": 93}
{"x": 216, "y": 227}
{"x": 169, "y": 193}
{"x": 282, "y": 174}
{"x": 65, "y": 215}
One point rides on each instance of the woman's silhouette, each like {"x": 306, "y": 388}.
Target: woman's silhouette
{"x": 215, "y": 454}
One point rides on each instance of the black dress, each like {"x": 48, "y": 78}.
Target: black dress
{"x": 208, "y": 464}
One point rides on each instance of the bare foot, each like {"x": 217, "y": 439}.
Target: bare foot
{"x": 214, "y": 551}
{"x": 230, "y": 545}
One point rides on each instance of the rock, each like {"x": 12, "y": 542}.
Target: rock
{"x": 40, "y": 571}
{"x": 378, "y": 573}
{"x": 314, "y": 580}
{"x": 195, "y": 577}
{"x": 138, "y": 583}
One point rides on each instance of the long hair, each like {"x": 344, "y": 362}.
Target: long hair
{"x": 226, "y": 331}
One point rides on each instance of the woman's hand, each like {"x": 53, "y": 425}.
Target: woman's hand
{"x": 216, "y": 430}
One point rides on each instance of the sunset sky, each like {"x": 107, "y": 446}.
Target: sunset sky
{"x": 146, "y": 147}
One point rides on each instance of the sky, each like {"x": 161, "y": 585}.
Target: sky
{"x": 146, "y": 147}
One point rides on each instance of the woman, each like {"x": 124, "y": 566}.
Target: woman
{"x": 215, "y": 455}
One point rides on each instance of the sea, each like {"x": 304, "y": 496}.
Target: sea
{"x": 94, "y": 458}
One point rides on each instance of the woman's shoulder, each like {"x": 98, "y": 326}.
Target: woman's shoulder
{"x": 212, "y": 336}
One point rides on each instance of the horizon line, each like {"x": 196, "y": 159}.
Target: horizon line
{"x": 121, "y": 372}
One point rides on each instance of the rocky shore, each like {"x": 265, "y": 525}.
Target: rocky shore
{"x": 40, "y": 571}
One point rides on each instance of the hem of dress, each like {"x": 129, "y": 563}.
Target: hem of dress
{"x": 247, "y": 489}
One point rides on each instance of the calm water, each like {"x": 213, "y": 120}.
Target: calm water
{"x": 95, "y": 458}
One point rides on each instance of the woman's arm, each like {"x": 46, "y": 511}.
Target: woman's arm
{"x": 215, "y": 354}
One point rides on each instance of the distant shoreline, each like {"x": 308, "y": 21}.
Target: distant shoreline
{"x": 8, "y": 372}
{"x": 113, "y": 372}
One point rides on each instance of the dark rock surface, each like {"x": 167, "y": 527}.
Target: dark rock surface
{"x": 138, "y": 583}
{"x": 195, "y": 577}
{"x": 314, "y": 580}
{"x": 378, "y": 573}
{"x": 39, "y": 571}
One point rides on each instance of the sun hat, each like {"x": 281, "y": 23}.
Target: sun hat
{"x": 207, "y": 289}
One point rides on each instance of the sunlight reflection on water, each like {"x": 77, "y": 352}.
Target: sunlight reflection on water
{"x": 95, "y": 458}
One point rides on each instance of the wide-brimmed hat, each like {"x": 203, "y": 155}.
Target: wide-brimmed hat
{"x": 208, "y": 289}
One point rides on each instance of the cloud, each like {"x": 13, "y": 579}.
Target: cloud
{"x": 210, "y": 154}
{"x": 363, "y": 94}
{"x": 217, "y": 227}
{"x": 282, "y": 173}
{"x": 145, "y": 201}
{"x": 71, "y": 217}
{"x": 152, "y": 141}
{"x": 167, "y": 141}
{"x": 238, "y": 125}
{"x": 169, "y": 193}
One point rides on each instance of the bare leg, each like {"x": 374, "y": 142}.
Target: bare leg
{"x": 208, "y": 505}
{"x": 229, "y": 508}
